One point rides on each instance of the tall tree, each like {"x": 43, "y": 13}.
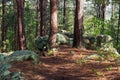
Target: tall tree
{"x": 118, "y": 29}
{"x": 21, "y": 27}
{"x": 37, "y": 17}
{"x": 103, "y": 9}
{"x": 100, "y": 7}
{"x": 64, "y": 13}
{"x": 3, "y": 24}
{"x": 112, "y": 14}
{"x": 53, "y": 23}
{"x": 15, "y": 27}
{"x": 103, "y": 14}
{"x": 43, "y": 7}
{"x": 78, "y": 24}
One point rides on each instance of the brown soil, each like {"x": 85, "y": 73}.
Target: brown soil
{"x": 64, "y": 66}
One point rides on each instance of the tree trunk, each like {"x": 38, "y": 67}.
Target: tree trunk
{"x": 78, "y": 24}
{"x": 3, "y": 24}
{"x": 112, "y": 15}
{"x": 21, "y": 27}
{"x": 15, "y": 27}
{"x": 103, "y": 15}
{"x": 98, "y": 9}
{"x": 103, "y": 9}
{"x": 41, "y": 21}
{"x": 45, "y": 4}
{"x": 53, "y": 23}
{"x": 118, "y": 29}
{"x": 37, "y": 17}
{"x": 43, "y": 15}
{"x": 64, "y": 14}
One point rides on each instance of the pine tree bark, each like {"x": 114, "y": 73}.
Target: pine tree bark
{"x": 64, "y": 13}
{"x": 43, "y": 7}
{"x": 78, "y": 24}
{"x": 21, "y": 27}
{"x": 118, "y": 29}
{"x": 37, "y": 17}
{"x": 112, "y": 15}
{"x": 103, "y": 15}
{"x": 53, "y": 23}
{"x": 45, "y": 4}
{"x": 41, "y": 21}
{"x": 3, "y": 24}
{"x": 103, "y": 9}
{"x": 15, "y": 27}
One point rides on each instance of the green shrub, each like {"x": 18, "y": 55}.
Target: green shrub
{"x": 70, "y": 41}
{"x": 2, "y": 57}
{"x": 5, "y": 74}
{"x": 41, "y": 43}
{"x": 22, "y": 55}
{"x": 106, "y": 43}
{"x": 7, "y": 61}
{"x": 61, "y": 39}
{"x": 70, "y": 35}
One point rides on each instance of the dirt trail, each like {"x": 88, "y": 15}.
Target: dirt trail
{"x": 63, "y": 66}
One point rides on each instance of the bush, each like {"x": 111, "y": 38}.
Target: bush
{"x": 7, "y": 61}
{"x": 61, "y": 39}
{"x": 41, "y": 43}
{"x": 22, "y": 55}
{"x": 106, "y": 43}
{"x": 70, "y": 35}
{"x": 5, "y": 74}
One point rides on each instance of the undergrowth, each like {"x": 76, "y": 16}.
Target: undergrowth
{"x": 7, "y": 61}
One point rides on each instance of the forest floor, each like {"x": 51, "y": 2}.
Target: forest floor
{"x": 64, "y": 66}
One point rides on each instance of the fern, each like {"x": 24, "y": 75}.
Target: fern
{"x": 6, "y": 64}
{"x": 21, "y": 56}
{"x": 5, "y": 74}
{"x": 2, "y": 57}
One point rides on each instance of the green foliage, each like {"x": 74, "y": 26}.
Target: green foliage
{"x": 101, "y": 55}
{"x": 70, "y": 38}
{"x": 105, "y": 52}
{"x": 22, "y": 55}
{"x": 41, "y": 43}
{"x": 107, "y": 44}
{"x": 30, "y": 24}
{"x": 2, "y": 57}
{"x": 70, "y": 35}
{"x": 70, "y": 42}
{"x": 70, "y": 6}
{"x": 51, "y": 52}
{"x": 62, "y": 39}
{"x": 5, "y": 74}
{"x": 7, "y": 61}
{"x": 6, "y": 46}
{"x": 93, "y": 26}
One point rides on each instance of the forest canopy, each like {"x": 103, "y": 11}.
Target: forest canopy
{"x": 101, "y": 17}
